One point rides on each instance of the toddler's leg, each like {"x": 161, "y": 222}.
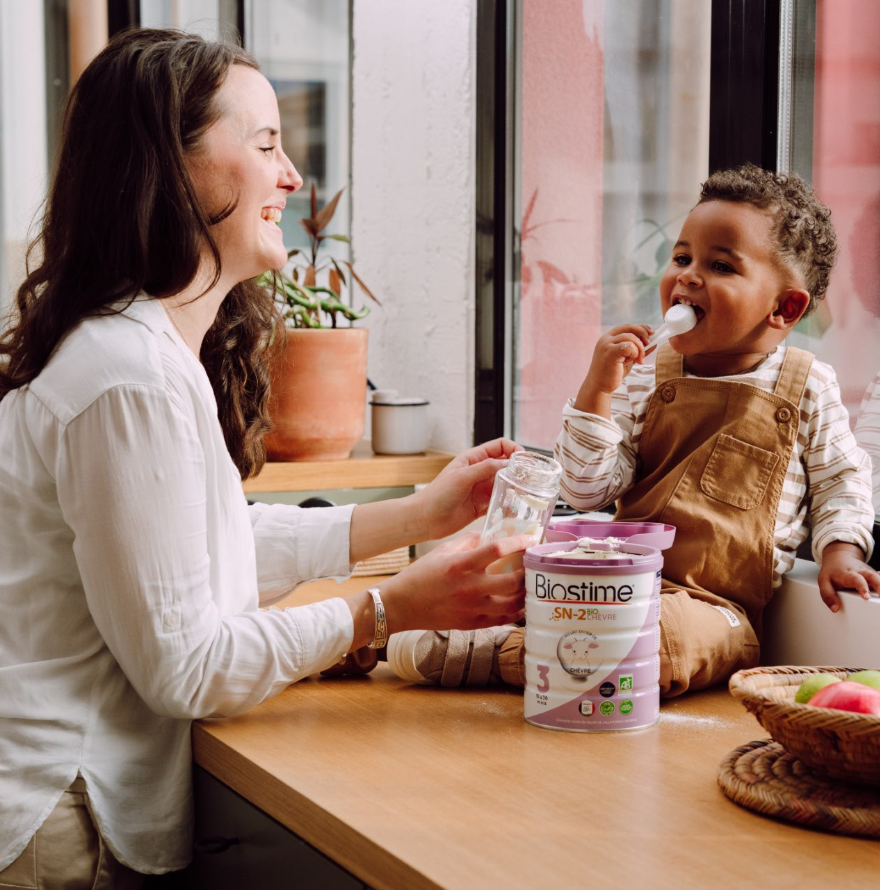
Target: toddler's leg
{"x": 702, "y": 642}
{"x": 700, "y": 645}
{"x": 511, "y": 658}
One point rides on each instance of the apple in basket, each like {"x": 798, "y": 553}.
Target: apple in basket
{"x": 870, "y": 677}
{"x": 849, "y": 696}
{"x": 813, "y": 685}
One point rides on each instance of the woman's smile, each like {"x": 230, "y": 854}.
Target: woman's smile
{"x": 272, "y": 215}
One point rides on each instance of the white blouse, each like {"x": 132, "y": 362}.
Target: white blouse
{"x": 131, "y": 572}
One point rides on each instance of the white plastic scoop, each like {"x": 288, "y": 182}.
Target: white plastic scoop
{"x": 678, "y": 320}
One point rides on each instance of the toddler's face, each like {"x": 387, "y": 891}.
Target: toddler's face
{"x": 725, "y": 264}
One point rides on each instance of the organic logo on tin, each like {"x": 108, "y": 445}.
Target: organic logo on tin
{"x": 573, "y": 652}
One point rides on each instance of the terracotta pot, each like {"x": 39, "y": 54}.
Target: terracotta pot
{"x": 319, "y": 392}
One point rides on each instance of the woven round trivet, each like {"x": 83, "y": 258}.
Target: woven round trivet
{"x": 763, "y": 777}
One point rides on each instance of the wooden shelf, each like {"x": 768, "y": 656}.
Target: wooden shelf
{"x": 364, "y": 470}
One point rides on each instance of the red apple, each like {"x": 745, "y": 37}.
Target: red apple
{"x": 849, "y": 696}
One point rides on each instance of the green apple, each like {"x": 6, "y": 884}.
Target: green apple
{"x": 870, "y": 677}
{"x": 812, "y": 684}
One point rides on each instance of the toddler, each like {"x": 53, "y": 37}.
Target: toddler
{"x": 737, "y": 440}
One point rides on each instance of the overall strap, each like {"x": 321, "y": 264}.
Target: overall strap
{"x": 669, "y": 364}
{"x": 793, "y": 375}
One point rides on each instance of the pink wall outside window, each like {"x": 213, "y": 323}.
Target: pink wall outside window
{"x": 561, "y": 193}
{"x": 846, "y": 175}
{"x": 614, "y": 144}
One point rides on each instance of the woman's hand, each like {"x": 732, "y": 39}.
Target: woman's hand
{"x": 448, "y": 588}
{"x": 614, "y": 355}
{"x": 460, "y": 493}
{"x": 843, "y": 566}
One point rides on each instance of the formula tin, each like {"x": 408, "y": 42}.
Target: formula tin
{"x": 592, "y": 638}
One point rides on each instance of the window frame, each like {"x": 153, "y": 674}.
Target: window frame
{"x": 496, "y": 55}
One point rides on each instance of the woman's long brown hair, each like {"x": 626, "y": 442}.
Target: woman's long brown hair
{"x": 122, "y": 218}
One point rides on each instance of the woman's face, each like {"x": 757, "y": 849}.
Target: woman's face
{"x": 240, "y": 161}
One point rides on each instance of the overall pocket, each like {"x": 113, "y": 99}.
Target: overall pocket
{"x": 738, "y": 473}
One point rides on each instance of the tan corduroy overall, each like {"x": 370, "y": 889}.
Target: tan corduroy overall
{"x": 712, "y": 460}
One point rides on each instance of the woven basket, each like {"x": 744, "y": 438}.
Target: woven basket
{"x": 838, "y": 744}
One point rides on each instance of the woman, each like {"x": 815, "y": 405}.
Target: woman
{"x": 132, "y": 404}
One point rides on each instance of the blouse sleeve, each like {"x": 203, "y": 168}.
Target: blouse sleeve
{"x": 131, "y": 480}
{"x": 297, "y": 545}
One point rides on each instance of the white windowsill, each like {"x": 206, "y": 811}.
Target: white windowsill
{"x": 799, "y": 630}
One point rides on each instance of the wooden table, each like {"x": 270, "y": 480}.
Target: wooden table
{"x": 418, "y": 787}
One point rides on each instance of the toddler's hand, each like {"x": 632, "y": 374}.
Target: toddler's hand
{"x": 615, "y": 354}
{"x": 843, "y": 567}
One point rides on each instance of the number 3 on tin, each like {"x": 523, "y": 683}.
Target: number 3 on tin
{"x": 544, "y": 684}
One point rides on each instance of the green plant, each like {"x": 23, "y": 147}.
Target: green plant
{"x": 306, "y": 303}
{"x": 631, "y": 276}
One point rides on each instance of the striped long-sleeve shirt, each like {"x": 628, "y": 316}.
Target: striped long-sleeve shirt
{"x": 827, "y": 483}
{"x": 868, "y": 434}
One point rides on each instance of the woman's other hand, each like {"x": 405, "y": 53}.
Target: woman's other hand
{"x": 448, "y": 588}
{"x": 460, "y": 493}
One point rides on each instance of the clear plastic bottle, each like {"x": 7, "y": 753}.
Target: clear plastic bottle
{"x": 523, "y": 498}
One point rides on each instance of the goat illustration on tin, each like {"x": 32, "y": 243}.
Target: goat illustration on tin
{"x": 573, "y": 652}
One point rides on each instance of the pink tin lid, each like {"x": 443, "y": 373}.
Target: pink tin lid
{"x": 632, "y": 559}
{"x": 656, "y": 535}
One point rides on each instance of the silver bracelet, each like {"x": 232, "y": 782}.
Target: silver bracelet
{"x": 380, "y": 632}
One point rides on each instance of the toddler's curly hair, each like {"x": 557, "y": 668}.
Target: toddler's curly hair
{"x": 802, "y": 226}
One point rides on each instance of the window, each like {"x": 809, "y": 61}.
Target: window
{"x": 612, "y": 144}
{"x": 835, "y": 143}
{"x": 23, "y": 137}
{"x": 616, "y": 112}
{"x": 303, "y": 47}
{"x": 212, "y": 19}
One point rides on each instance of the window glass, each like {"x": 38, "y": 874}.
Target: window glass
{"x": 23, "y": 139}
{"x": 199, "y": 16}
{"x": 843, "y": 147}
{"x": 612, "y": 147}
{"x": 303, "y": 49}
